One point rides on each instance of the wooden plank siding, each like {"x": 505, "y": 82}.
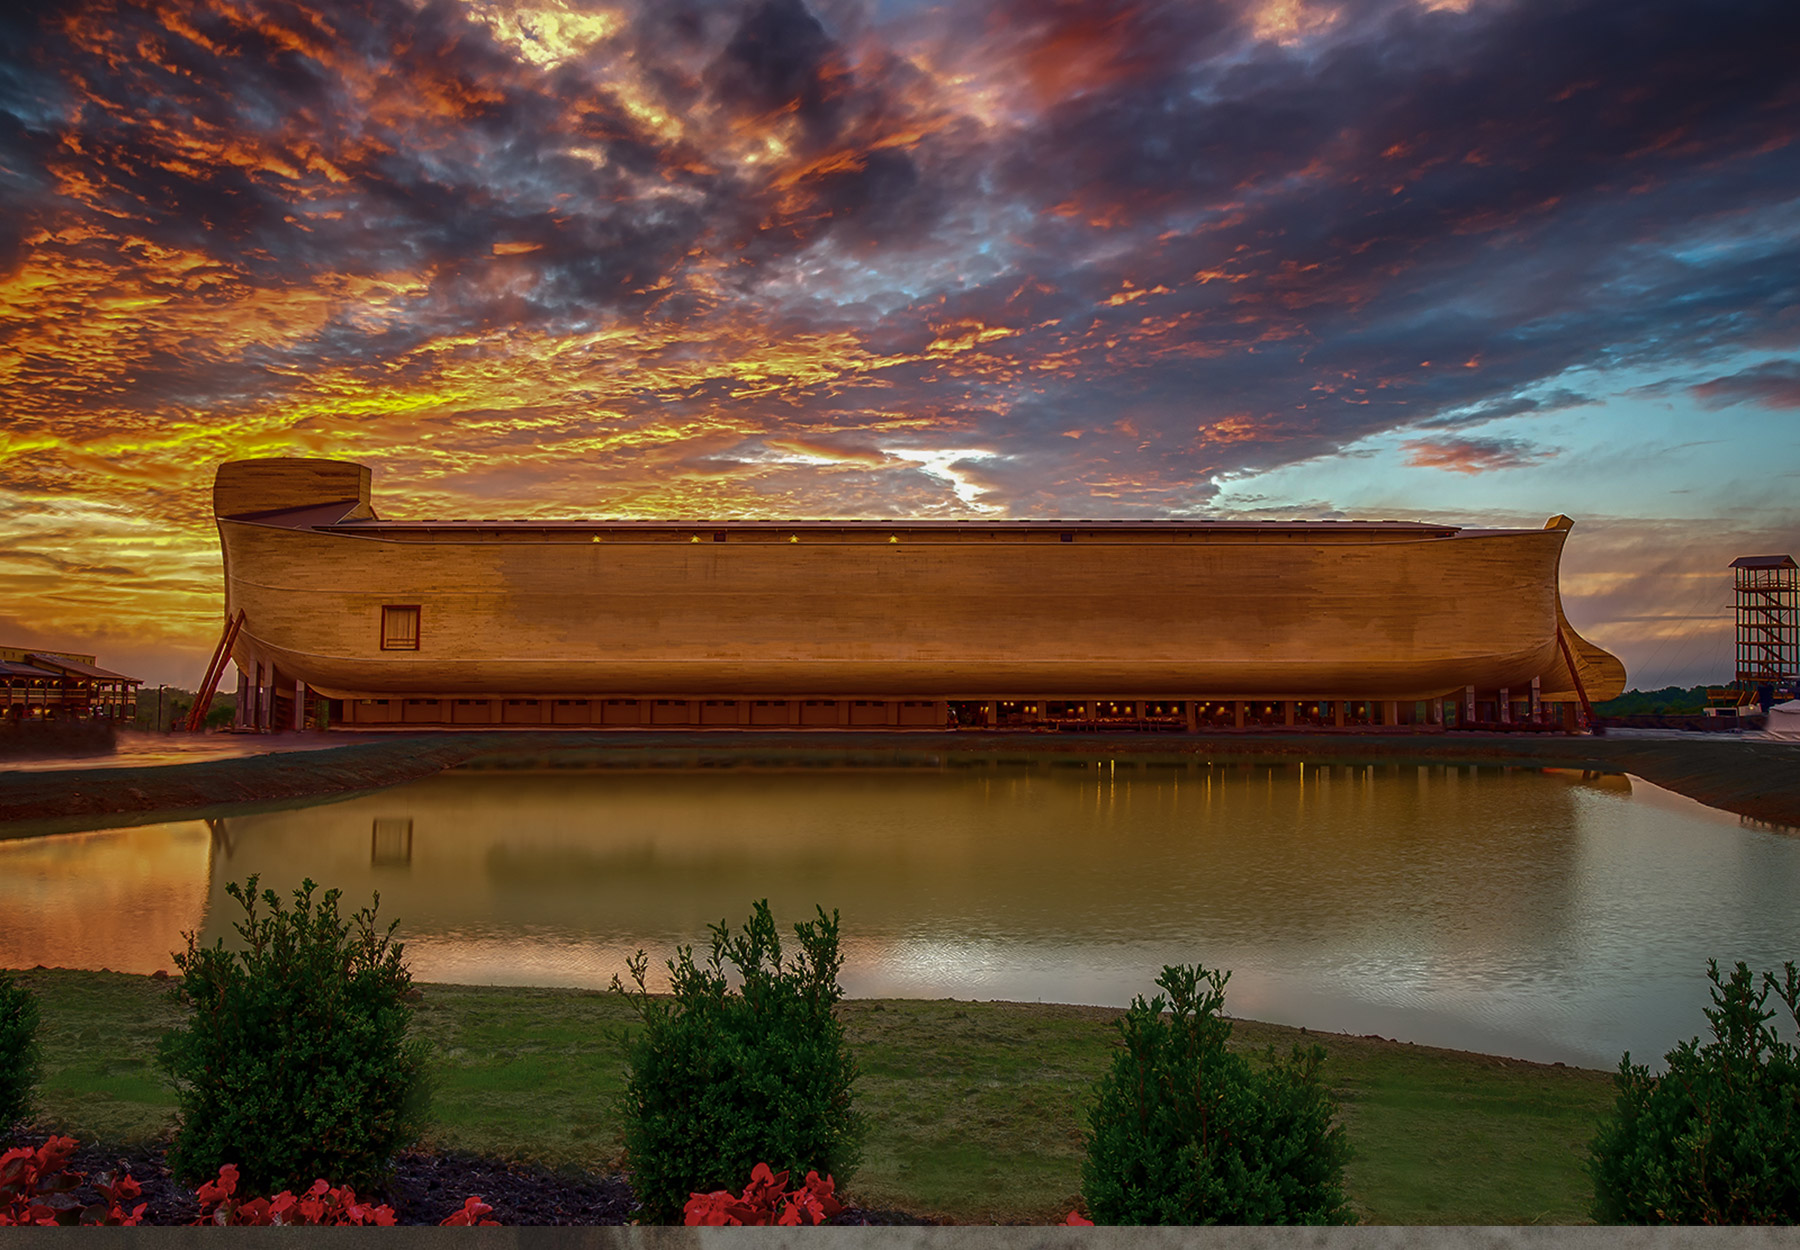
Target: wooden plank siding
{"x": 867, "y": 624}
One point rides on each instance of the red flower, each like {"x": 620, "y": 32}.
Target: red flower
{"x": 822, "y": 1194}
{"x": 28, "y": 1177}
{"x": 470, "y": 1215}
{"x": 215, "y": 1192}
{"x": 765, "y": 1201}
{"x": 321, "y": 1204}
{"x": 708, "y": 1210}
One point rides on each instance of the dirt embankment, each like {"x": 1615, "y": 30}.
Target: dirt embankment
{"x": 79, "y": 798}
{"x": 1760, "y": 780}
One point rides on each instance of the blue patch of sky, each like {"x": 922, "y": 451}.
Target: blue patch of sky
{"x": 1646, "y": 446}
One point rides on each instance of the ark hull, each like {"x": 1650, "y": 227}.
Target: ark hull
{"x": 905, "y": 612}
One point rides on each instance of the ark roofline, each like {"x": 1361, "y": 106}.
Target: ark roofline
{"x": 308, "y": 519}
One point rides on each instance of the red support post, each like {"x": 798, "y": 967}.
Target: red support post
{"x": 210, "y": 686}
{"x": 1587, "y": 709}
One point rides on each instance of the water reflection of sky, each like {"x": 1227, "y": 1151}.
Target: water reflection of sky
{"x": 1543, "y": 914}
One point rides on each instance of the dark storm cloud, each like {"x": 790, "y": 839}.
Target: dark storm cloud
{"x": 287, "y": 144}
{"x": 1558, "y": 400}
{"x": 1436, "y": 209}
{"x": 779, "y": 58}
{"x": 1126, "y": 247}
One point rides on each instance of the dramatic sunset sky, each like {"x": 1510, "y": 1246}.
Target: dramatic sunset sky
{"x": 1478, "y": 261}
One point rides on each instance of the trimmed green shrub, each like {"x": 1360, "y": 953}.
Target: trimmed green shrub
{"x": 720, "y": 1081}
{"x": 295, "y": 1062}
{"x": 19, "y": 1055}
{"x": 1184, "y": 1131}
{"x": 1716, "y": 1138}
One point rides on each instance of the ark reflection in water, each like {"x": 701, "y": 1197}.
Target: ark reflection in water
{"x": 1545, "y": 915}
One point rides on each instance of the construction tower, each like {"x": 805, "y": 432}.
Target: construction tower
{"x": 1767, "y": 599}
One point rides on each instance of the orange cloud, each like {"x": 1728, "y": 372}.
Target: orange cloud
{"x": 1473, "y": 455}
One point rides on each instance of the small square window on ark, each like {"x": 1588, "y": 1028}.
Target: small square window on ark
{"x": 400, "y": 627}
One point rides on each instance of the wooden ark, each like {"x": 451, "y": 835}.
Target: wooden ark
{"x": 1177, "y": 624}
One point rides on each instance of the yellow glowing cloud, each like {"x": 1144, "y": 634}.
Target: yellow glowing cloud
{"x": 546, "y": 35}
{"x": 963, "y": 336}
{"x": 1289, "y": 21}
{"x": 1129, "y": 293}
{"x": 82, "y": 316}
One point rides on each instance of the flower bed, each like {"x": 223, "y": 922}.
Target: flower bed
{"x": 425, "y": 1189}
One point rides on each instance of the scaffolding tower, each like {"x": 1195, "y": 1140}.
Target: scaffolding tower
{"x": 1768, "y": 621}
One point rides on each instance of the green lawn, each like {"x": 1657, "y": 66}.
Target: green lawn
{"x": 975, "y": 1109}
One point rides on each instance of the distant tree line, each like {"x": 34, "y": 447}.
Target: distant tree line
{"x": 176, "y": 704}
{"x": 1669, "y": 701}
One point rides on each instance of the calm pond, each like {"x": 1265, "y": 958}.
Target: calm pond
{"x": 1541, "y": 914}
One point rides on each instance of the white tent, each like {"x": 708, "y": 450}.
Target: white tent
{"x": 1784, "y": 720}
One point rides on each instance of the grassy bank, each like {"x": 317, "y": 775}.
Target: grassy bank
{"x": 975, "y": 1109}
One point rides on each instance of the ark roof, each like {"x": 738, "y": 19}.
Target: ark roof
{"x": 373, "y": 527}
{"x": 47, "y": 660}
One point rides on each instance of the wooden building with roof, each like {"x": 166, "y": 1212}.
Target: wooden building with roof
{"x": 37, "y": 685}
{"x": 1055, "y": 624}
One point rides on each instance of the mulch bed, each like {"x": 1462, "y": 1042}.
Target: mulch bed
{"x": 425, "y": 1188}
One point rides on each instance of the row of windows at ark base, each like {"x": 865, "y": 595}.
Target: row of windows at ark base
{"x": 822, "y": 713}
{"x": 1064, "y": 715}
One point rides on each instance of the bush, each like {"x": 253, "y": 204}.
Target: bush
{"x": 294, "y": 1063}
{"x": 19, "y": 1056}
{"x": 1715, "y": 1139}
{"x": 720, "y": 1082}
{"x": 1185, "y": 1131}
